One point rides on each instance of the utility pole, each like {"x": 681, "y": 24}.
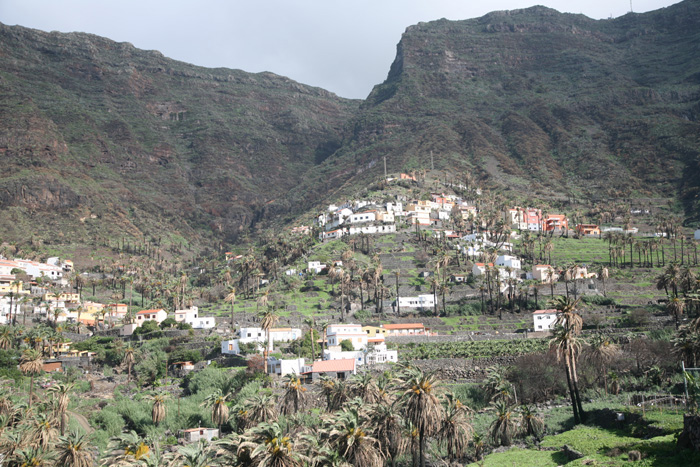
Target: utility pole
{"x": 432, "y": 165}
{"x": 384, "y": 167}
{"x": 631, "y": 9}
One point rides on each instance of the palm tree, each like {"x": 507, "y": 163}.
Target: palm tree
{"x": 60, "y": 392}
{"x": 350, "y": 437}
{"x": 231, "y": 297}
{"x": 455, "y": 430}
{"x": 599, "y": 353}
{"x": 126, "y": 448}
{"x": 530, "y": 423}
{"x": 503, "y": 429}
{"x": 129, "y": 360}
{"x": 257, "y": 409}
{"x": 422, "y": 407}
{"x": 195, "y": 455}
{"x": 217, "y": 401}
{"x": 6, "y": 337}
{"x": 31, "y": 364}
{"x": 43, "y": 432}
{"x": 267, "y": 322}
{"x": 364, "y": 386}
{"x": 158, "y": 411}
{"x": 311, "y": 323}
{"x": 295, "y": 395}
{"x": 271, "y": 446}
{"x": 675, "y": 307}
{"x": 388, "y": 430}
{"x": 74, "y": 450}
{"x": 603, "y": 274}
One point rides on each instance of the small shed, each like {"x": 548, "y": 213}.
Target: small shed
{"x": 195, "y": 434}
{"x": 341, "y": 369}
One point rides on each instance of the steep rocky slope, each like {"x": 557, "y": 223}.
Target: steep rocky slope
{"x": 102, "y": 139}
{"x": 93, "y": 127}
{"x": 544, "y": 103}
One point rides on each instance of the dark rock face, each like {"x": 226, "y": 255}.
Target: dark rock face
{"x": 530, "y": 100}
{"x": 545, "y": 103}
{"x": 86, "y": 122}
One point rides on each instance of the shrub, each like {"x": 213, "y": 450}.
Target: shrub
{"x": 168, "y": 323}
{"x": 109, "y": 421}
{"x": 346, "y": 345}
{"x": 149, "y": 328}
{"x": 537, "y": 377}
{"x": 597, "y": 300}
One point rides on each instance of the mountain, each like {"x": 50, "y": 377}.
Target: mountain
{"x": 101, "y": 139}
{"x": 544, "y": 104}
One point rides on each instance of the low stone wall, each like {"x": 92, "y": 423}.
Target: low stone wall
{"x": 462, "y": 369}
{"x": 472, "y": 336}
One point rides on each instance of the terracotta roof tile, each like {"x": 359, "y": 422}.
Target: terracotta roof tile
{"x": 328, "y": 366}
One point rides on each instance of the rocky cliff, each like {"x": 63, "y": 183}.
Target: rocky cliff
{"x": 128, "y": 142}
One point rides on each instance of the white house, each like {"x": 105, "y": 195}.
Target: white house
{"x": 35, "y": 269}
{"x": 280, "y": 367}
{"x": 479, "y": 269}
{"x": 230, "y": 347}
{"x": 331, "y": 234}
{"x": 316, "y": 267}
{"x": 396, "y": 208}
{"x": 372, "y": 229}
{"x": 336, "y": 333}
{"x": 544, "y": 320}
{"x": 191, "y": 317}
{"x": 193, "y": 435}
{"x": 186, "y": 314}
{"x": 336, "y": 354}
{"x": 421, "y": 301}
{"x": 508, "y": 261}
{"x": 4, "y": 310}
{"x": 158, "y": 315}
{"x": 368, "y": 216}
{"x": 257, "y": 335}
{"x": 380, "y": 354}
{"x": 541, "y": 272}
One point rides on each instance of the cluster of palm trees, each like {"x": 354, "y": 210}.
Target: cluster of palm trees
{"x": 368, "y": 421}
{"x": 35, "y": 435}
{"x": 682, "y": 288}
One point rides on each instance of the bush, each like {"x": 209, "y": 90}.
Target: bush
{"x": 168, "y": 323}
{"x": 149, "y": 328}
{"x": 109, "y": 421}
{"x": 346, "y": 345}
{"x": 597, "y": 300}
{"x": 537, "y": 377}
{"x": 185, "y": 355}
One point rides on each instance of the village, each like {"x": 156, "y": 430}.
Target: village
{"x": 432, "y": 277}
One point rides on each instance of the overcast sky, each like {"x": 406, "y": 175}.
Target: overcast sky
{"x": 343, "y": 46}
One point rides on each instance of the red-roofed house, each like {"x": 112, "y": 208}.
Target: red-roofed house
{"x": 158, "y": 316}
{"x": 544, "y": 320}
{"x": 405, "y": 329}
{"x": 479, "y": 269}
{"x": 341, "y": 369}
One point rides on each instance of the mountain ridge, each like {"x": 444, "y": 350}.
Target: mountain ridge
{"x": 531, "y": 101}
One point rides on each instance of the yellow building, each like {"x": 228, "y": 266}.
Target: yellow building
{"x": 93, "y": 307}
{"x": 15, "y": 287}
{"x": 373, "y": 331}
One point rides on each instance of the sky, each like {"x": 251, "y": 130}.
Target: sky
{"x": 343, "y": 46}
